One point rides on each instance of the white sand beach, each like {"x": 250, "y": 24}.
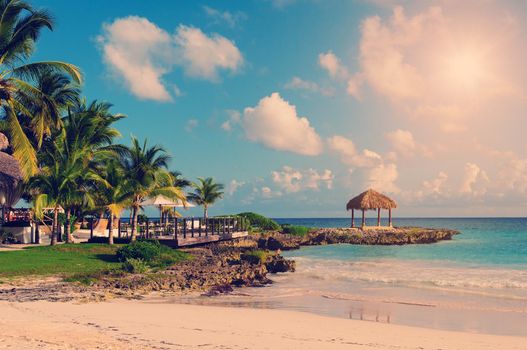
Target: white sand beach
{"x": 141, "y": 324}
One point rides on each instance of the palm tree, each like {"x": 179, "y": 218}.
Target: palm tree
{"x": 20, "y": 28}
{"x": 116, "y": 194}
{"x": 56, "y": 184}
{"x": 73, "y": 160}
{"x": 147, "y": 175}
{"x": 206, "y": 193}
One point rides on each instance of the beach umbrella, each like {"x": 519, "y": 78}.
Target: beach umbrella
{"x": 162, "y": 202}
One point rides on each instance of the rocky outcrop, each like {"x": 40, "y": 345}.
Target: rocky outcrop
{"x": 370, "y": 236}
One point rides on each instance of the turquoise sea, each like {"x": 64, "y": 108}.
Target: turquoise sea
{"x": 476, "y": 282}
{"x": 492, "y": 242}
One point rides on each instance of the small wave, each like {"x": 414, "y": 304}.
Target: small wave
{"x": 412, "y": 274}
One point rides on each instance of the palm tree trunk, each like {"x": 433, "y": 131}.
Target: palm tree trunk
{"x": 54, "y": 226}
{"x": 110, "y": 233}
{"x": 205, "y": 212}
{"x": 134, "y": 224}
{"x": 67, "y": 227}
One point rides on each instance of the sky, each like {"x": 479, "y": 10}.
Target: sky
{"x": 298, "y": 105}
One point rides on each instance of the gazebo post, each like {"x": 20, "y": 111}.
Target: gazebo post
{"x": 379, "y": 217}
{"x": 352, "y": 218}
{"x": 390, "y": 217}
{"x": 363, "y": 219}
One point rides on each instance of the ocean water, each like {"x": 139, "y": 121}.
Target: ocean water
{"x": 477, "y": 282}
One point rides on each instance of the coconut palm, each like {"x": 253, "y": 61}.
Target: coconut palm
{"x": 115, "y": 193}
{"x": 147, "y": 175}
{"x": 20, "y": 28}
{"x": 58, "y": 183}
{"x": 206, "y": 192}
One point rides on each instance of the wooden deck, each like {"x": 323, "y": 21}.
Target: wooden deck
{"x": 179, "y": 232}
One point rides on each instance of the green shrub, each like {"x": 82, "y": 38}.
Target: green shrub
{"x": 145, "y": 250}
{"x": 260, "y": 221}
{"x": 135, "y": 265}
{"x": 255, "y": 256}
{"x": 295, "y": 230}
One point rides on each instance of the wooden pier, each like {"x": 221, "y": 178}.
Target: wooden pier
{"x": 179, "y": 232}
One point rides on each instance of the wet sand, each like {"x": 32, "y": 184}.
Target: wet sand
{"x": 141, "y": 324}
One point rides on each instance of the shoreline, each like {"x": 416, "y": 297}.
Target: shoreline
{"x": 136, "y": 324}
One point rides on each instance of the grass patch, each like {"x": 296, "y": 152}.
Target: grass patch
{"x": 255, "y": 256}
{"x": 295, "y": 230}
{"x": 66, "y": 260}
{"x": 82, "y": 263}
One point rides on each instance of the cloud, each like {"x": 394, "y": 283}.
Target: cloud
{"x": 267, "y": 192}
{"x": 234, "y": 119}
{"x": 130, "y": 48}
{"x": 140, "y": 54}
{"x": 233, "y": 186}
{"x": 382, "y": 178}
{"x": 275, "y": 123}
{"x": 202, "y": 56}
{"x": 297, "y": 83}
{"x": 402, "y": 142}
{"x": 475, "y": 180}
{"x": 348, "y": 153}
{"x": 292, "y": 180}
{"x": 435, "y": 186}
{"x": 333, "y": 66}
{"x": 191, "y": 125}
{"x": 224, "y": 17}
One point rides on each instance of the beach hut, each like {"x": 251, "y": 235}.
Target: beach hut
{"x": 371, "y": 200}
{"x": 10, "y": 176}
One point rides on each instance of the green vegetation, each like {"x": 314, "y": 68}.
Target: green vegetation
{"x": 295, "y": 230}
{"x": 206, "y": 192}
{"x": 255, "y": 256}
{"x": 135, "y": 265}
{"x": 260, "y": 222}
{"x": 148, "y": 253}
{"x": 87, "y": 262}
{"x": 66, "y": 260}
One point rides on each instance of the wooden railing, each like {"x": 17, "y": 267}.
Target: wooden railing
{"x": 183, "y": 228}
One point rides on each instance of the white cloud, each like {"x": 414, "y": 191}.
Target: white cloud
{"x": 140, "y": 54}
{"x": 234, "y": 119}
{"x": 382, "y": 178}
{"x": 475, "y": 180}
{"x": 348, "y": 153}
{"x": 233, "y": 186}
{"x": 435, "y": 186}
{"x": 402, "y": 142}
{"x": 267, "y": 192}
{"x": 202, "y": 56}
{"x": 275, "y": 123}
{"x": 219, "y": 17}
{"x": 297, "y": 83}
{"x": 130, "y": 47}
{"x": 191, "y": 125}
{"x": 293, "y": 180}
{"x": 331, "y": 63}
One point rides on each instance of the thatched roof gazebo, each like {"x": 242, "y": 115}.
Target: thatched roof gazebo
{"x": 371, "y": 200}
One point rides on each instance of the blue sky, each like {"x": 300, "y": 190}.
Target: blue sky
{"x": 298, "y": 105}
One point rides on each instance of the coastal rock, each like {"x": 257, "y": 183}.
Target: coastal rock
{"x": 279, "y": 264}
{"x": 371, "y": 236}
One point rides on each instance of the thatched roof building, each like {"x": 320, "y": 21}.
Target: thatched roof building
{"x": 371, "y": 200}
{"x": 10, "y": 175}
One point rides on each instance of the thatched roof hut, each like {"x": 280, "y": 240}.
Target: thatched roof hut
{"x": 10, "y": 175}
{"x": 371, "y": 200}
{"x": 4, "y": 142}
